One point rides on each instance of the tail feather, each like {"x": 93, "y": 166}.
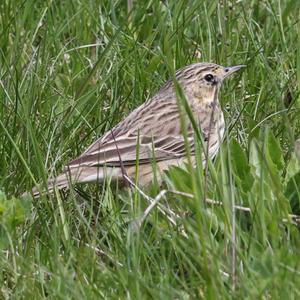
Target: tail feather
{"x": 77, "y": 175}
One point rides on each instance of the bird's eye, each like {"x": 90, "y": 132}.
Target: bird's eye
{"x": 209, "y": 77}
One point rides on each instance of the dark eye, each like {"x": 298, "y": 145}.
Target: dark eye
{"x": 209, "y": 77}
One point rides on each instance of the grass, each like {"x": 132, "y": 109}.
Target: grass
{"x": 70, "y": 70}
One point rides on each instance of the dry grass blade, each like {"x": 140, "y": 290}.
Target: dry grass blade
{"x": 292, "y": 217}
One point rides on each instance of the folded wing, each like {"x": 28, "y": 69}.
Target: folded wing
{"x": 143, "y": 135}
{"x": 127, "y": 150}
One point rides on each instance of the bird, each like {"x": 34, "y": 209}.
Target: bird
{"x": 153, "y": 132}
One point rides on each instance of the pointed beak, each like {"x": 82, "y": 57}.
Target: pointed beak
{"x": 230, "y": 70}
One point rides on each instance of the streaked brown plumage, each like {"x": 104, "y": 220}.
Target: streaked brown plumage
{"x": 156, "y": 124}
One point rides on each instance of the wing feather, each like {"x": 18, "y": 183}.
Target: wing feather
{"x": 158, "y": 135}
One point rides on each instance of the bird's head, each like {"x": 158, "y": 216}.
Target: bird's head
{"x": 204, "y": 79}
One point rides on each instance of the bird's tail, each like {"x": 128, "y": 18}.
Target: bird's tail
{"x": 60, "y": 182}
{"x": 71, "y": 177}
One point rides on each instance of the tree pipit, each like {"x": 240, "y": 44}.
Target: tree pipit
{"x": 155, "y": 130}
